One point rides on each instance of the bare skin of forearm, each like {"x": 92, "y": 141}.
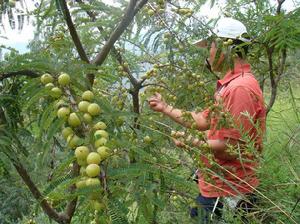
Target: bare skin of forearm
{"x": 176, "y": 115}
{"x": 218, "y": 148}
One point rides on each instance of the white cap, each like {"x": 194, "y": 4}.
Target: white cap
{"x": 227, "y": 28}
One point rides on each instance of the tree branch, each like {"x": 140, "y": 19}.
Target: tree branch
{"x": 28, "y": 73}
{"x": 115, "y": 53}
{"x": 73, "y": 32}
{"x": 282, "y": 65}
{"x": 272, "y": 78}
{"x": 119, "y": 58}
{"x": 53, "y": 214}
{"x": 71, "y": 206}
{"x": 280, "y": 2}
{"x": 127, "y": 18}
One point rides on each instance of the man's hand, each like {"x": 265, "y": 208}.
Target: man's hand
{"x": 178, "y": 143}
{"x": 157, "y": 103}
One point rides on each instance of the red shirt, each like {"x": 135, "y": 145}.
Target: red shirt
{"x": 240, "y": 95}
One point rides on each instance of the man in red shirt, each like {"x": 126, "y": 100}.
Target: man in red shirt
{"x": 239, "y": 95}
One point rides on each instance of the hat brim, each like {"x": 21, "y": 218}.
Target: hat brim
{"x": 202, "y": 43}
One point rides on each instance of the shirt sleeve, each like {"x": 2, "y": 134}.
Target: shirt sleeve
{"x": 240, "y": 103}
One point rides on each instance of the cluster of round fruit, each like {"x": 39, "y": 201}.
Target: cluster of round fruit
{"x": 63, "y": 80}
{"x": 78, "y": 117}
{"x": 90, "y": 160}
{"x": 184, "y": 11}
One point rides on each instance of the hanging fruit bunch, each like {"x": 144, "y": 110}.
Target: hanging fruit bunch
{"x": 88, "y": 139}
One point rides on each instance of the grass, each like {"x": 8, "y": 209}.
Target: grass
{"x": 280, "y": 171}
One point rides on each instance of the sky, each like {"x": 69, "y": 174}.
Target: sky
{"x": 19, "y": 39}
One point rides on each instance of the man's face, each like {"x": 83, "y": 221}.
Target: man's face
{"x": 215, "y": 62}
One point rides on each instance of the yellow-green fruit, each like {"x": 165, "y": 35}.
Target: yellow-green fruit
{"x": 147, "y": 139}
{"x": 94, "y": 109}
{"x": 150, "y": 12}
{"x": 87, "y": 118}
{"x": 73, "y": 141}
{"x": 93, "y": 158}
{"x": 100, "y": 125}
{"x": 74, "y": 120}
{"x": 64, "y": 79}
{"x": 100, "y": 142}
{"x": 12, "y": 4}
{"x": 98, "y": 206}
{"x": 92, "y": 182}
{"x": 81, "y": 184}
{"x": 49, "y": 85}
{"x": 82, "y": 171}
{"x": 83, "y": 106}
{"x": 60, "y": 103}
{"x": 92, "y": 170}
{"x": 63, "y": 112}
{"x": 81, "y": 162}
{"x": 100, "y": 133}
{"x": 88, "y": 95}
{"x": 81, "y": 152}
{"x": 120, "y": 121}
{"x": 230, "y": 41}
{"x": 56, "y": 92}
{"x": 103, "y": 151}
{"x": 66, "y": 132}
{"x": 46, "y": 78}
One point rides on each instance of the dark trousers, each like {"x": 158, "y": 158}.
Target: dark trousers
{"x": 207, "y": 209}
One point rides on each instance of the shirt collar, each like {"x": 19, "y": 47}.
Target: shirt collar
{"x": 238, "y": 70}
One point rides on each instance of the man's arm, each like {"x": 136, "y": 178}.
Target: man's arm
{"x": 218, "y": 147}
{"x": 158, "y": 104}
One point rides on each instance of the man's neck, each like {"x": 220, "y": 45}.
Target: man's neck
{"x": 238, "y": 62}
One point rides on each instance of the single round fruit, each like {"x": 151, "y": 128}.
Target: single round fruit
{"x": 73, "y": 141}
{"x": 92, "y": 182}
{"x": 119, "y": 121}
{"x": 12, "y": 4}
{"x": 63, "y": 112}
{"x": 87, "y": 118}
{"x": 64, "y": 79}
{"x": 147, "y": 139}
{"x": 66, "y": 132}
{"x": 100, "y": 125}
{"x": 55, "y": 92}
{"x": 100, "y": 142}
{"x": 88, "y": 95}
{"x": 46, "y": 78}
{"x": 98, "y": 206}
{"x": 92, "y": 170}
{"x": 103, "y": 151}
{"x": 93, "y": 158}
{"x": 60, "y": 103}
{"x": 81, "y": 152}
{"x": 49, "y": 85}
{"x": 100, "y": 133}
{"x": 81, "y": 162}
{"x": 80, "y": 184}
{"x": 83, "y": 106}
{"x": 74, "y": 120}
{"x": 150, "y": 12}
{"x": 94, "y": 109}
